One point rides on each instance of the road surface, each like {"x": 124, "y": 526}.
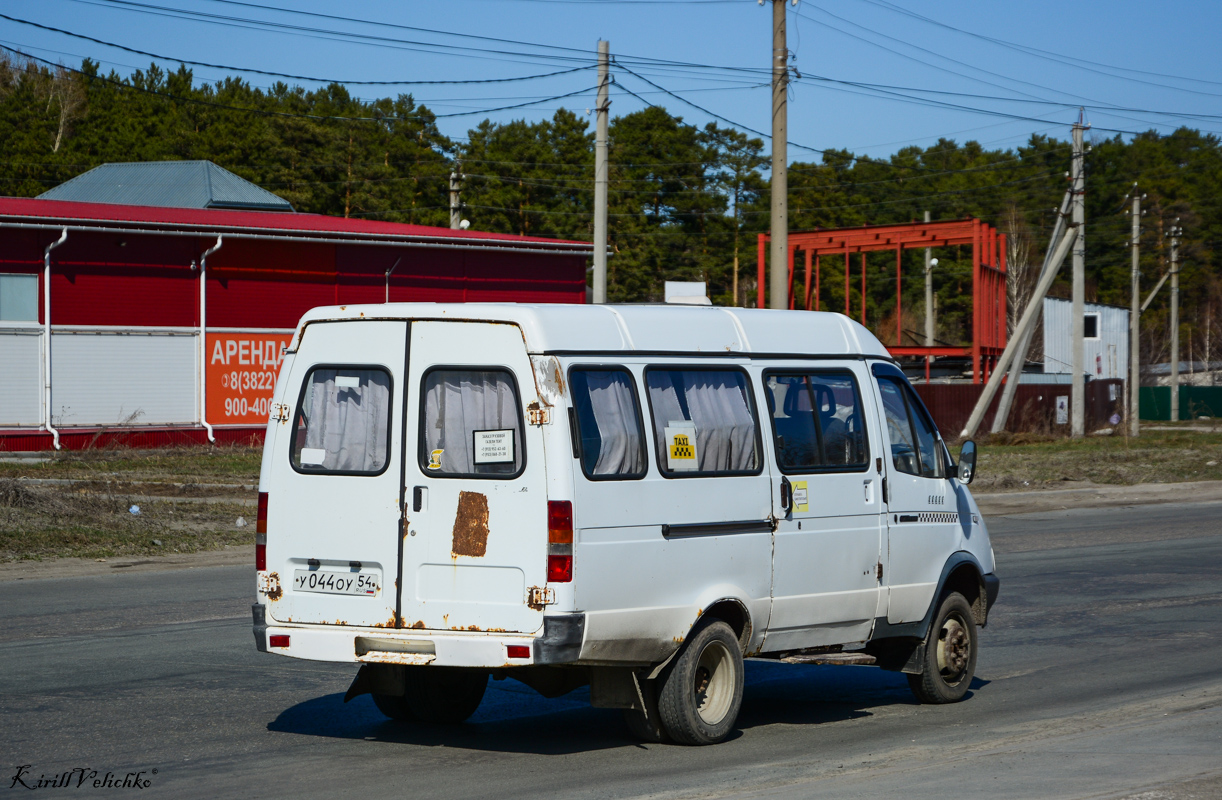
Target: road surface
{"x": 1100, "y": 675}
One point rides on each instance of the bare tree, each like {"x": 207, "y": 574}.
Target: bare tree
{"x": 67, "y": 93}
{"x": 1021, "y": 274}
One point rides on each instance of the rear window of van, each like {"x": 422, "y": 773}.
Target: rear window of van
{"x": 471, "y": 424}
{"x": 342, "y": 424}
{"x": 703, "y": 421}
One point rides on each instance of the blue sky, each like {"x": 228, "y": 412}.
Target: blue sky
{"x": 863, "y": 63}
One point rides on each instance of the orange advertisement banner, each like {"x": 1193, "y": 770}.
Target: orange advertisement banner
{"x": 241, "y": 375}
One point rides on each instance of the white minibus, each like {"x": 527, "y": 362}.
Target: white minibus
{"x": 630, "y": 498}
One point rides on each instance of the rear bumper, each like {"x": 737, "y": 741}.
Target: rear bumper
{"x": 558, "y": 642}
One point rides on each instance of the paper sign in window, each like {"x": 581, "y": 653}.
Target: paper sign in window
{"x": 347, "y": 382}
{"x": 681, "y": 455}
{"x": 313, "y": 456}
{"x": 493, "y": 447}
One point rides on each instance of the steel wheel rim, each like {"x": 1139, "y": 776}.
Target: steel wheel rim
{"x": 954, "y": 650}
{"x": 713, "y": 683}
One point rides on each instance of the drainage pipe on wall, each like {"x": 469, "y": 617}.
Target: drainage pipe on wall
{"x": 46, "y": 334}
{"x": 203, "y": 331}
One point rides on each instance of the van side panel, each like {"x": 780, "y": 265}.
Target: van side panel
{"x": 641, "y": 589}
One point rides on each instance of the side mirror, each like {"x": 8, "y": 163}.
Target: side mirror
{"x": 967, "y": 462}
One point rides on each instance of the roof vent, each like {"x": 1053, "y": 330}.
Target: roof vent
{"x": 687, "y": 293}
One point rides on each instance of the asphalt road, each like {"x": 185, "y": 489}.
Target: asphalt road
{"x": 1100, "y": 675}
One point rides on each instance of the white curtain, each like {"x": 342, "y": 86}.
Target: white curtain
{"x": 458, "y": 402}
{"x": 716, "y": 402}
{"x": 349, "y": 419}
{"x": 621, "y": 451}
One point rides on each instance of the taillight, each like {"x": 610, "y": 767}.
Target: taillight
{"x": 518, "y": 651}
{"x": 261, "y": 534}
{"x": 261, "y": 518}
{"x": 560, "y": 569}
{"x": 559, "y": 522}
{"x": 278, "y": 640}
{"x": 559, "y": 541}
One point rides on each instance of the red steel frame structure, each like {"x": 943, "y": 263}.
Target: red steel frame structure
{"x": 988, "y": 277}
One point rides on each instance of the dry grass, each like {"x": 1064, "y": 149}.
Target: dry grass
{"x": 183, "y": 510}
{"x": 38, "y": 522}
{"x": 1028, "y": 461}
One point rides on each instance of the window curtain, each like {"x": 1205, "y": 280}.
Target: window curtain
{"x": 349, "y": 422}
{"x": 458, "y": 402}
{"x": 621, "y": 451}
{"x": 716, "y": 403}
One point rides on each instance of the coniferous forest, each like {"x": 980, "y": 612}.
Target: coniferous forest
{"x": 686, "y": 202}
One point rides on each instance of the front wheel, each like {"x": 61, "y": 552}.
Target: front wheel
{"x": 703, "y": 692}
{"x": 950, "y": 654}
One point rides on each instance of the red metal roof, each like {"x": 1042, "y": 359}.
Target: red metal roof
{"x": 31, "y": 210}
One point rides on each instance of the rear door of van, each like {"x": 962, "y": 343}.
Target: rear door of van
{"x": 476, "y": 534}
{"x": 334, "y": 482}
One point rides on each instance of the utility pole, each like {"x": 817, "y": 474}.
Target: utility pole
{"x": 1078, "y": 393}
{"x": 455, "y": 190}
{"x": 1135, "y": 321}
{"x": 928, "y": 297}
{"x": 1175, "y": 322}
{"x": 929, "y": 300}
{"x": 778, "y": 276}
{"x": 599, "y": 289}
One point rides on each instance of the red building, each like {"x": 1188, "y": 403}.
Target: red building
{"x": 155, "y": 312}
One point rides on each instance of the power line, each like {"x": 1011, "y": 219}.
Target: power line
{"x": 1029, "y": 50}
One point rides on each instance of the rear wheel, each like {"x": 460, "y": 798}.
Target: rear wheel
{"x": 950, "y": 654}
{"x": 438, "y": 695}
{"x": 702, "y": 693}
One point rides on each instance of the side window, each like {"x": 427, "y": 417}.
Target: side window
{"x": 609, "y": 423}
{"x": 913, "y": 440}
{"x": 816, "y": 421}
{"x": 343, "y": 421}
{"x": 471, "y": 424}
{"x": 703, "y": 421}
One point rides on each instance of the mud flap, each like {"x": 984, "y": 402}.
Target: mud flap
{"x": 387, "y": 679}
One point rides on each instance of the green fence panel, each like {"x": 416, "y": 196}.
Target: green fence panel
{"x": 1154, "y": 402}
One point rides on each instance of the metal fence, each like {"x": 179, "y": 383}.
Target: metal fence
{"x": 1038, "y": 408}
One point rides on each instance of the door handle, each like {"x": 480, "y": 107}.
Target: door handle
{"x": 418, "y": 496}
{"x": 786, "y": 494}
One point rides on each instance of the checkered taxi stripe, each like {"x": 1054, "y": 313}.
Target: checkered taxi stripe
{"x": 938, "y": 516}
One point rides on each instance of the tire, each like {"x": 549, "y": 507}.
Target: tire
{"x": 950, "y": 654}
{"x": 702, "y": 693}
{"x": 393, "y": 706}
{"x": 436, "y": 695}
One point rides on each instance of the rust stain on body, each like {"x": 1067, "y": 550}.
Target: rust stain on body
{"x": 274, "y": 590}
{"x": 470, "y": 536}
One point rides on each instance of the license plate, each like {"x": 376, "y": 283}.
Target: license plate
{"x": 364, "y": 584}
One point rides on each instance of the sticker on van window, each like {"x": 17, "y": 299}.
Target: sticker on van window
{"x": 801, "y": 498}
{"x": 493, "y": 447}
{"x": 347, "y": 382}
{"x": 435, "y": 459}
{"x": 313, "y": 455}
{"x": 681, "y": 453}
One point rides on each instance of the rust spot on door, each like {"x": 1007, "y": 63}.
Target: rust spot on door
{"x": 470, "y": 536}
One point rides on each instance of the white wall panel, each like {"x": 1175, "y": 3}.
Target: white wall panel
{"x": 105, "y": 378}
{"x": 20, "y": 379}
{"x": 1107, "y": 356}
